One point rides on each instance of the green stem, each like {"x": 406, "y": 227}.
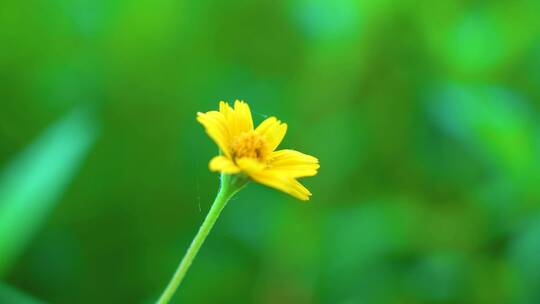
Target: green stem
{"x": 229, "y": 186}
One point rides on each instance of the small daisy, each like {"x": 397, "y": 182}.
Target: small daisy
{"x": 252, "y": 151}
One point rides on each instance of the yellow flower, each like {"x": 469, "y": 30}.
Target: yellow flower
{"x": 252, "y": 151}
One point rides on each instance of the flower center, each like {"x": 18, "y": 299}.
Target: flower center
{"x": 249, "y": 144}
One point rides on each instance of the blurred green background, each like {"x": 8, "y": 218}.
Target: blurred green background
{"x": 424, "y": 115}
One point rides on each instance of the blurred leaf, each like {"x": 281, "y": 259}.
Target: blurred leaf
{"x": 524, "y": 254}
{"x": 476, "y": 43}
{"x": 483, "y": 38}
{"x": 366, "y": 234}
{"x": 491, "y": 121}
{"x": 10, "y": 295}
{"x": 32, "y": 183}
{"x": 438, "y": 277}
{"x": 328, "y": 19}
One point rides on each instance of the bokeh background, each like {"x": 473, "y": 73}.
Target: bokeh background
{"x": 424, "y": 115}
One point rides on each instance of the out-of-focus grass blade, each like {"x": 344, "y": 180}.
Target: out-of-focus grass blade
{"x": 9, "y": 294}
{"x": 497, "y": 127}
{"x": 33, "y": 182}
{"x": 492, "y": 121}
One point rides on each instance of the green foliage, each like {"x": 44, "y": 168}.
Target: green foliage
{"x": 10, "y": 295}
{"x": 424, "y": 116}
{"x": 32, "y": 183}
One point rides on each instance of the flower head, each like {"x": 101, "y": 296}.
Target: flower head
{"x": 252, "y": 151}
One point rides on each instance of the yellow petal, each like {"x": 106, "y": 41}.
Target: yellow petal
{"x": 225, "y": 109}
{"x": 267, "y": 123}
{"x": 238, "y": 119}
{"x": 283, "y": 183}
{"x": 250, "y": 165}
{"x": 230, "y": 117}
{"x": 244, "y": 121}
{"x": 274, "y": 179}
{"x": 216, "y": 127}
{"x": 294, "y": 163}
{"x": 301, "y": 189}
{"x": 273, "y": 130}
{"x": 223, "y": 164}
